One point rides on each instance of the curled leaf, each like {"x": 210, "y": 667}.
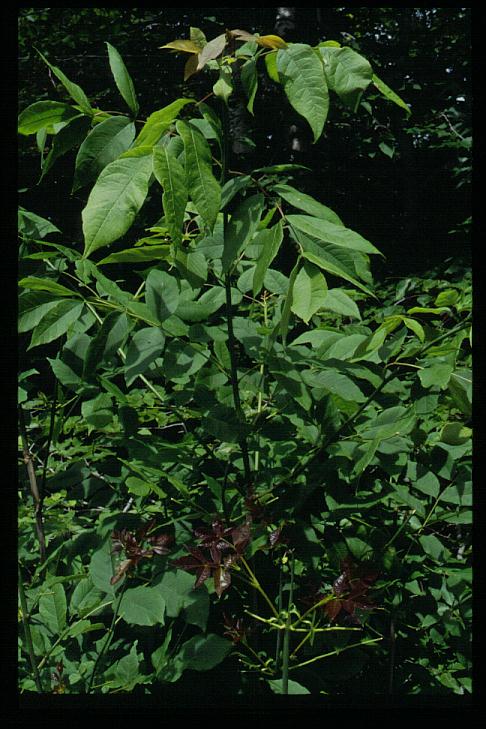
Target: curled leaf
{"x": 270, "y": 41}
{"x": 186, "y": 46}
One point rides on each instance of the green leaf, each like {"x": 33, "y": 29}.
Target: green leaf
{"x": 389, "y": 94}
{"x": 223, "y": 88}
{"x": 271, "y": 66}
{"x": 177, "y": 589}
{"x": 142, "y": 254}
{"x": 204, "y": 190}
{"x": 241, "y": 227}
{"x": 433, "y": 547}
{"x": 44, "y": 114}
{"x": 455, "y": 434}
{"x": 334, "y": 382}
{"x": 106, "y": 341}
{"x": 104, "y": 144}
{"x": 45, "y": 284}
{"x": 333, "y": 259}
{"x": 203, "y": 652}
{"x": 307, "y": 203}
{"x": 460, "y": 387}
{"x": 309, "y": 292}
{"x": 146, "y": 345}
{"x": 436, "y": 374}
{"x": 98, "y": 412}
{"x": 206, "y": 305}
{"x": 74, "y": 91}
{"x": 85, "y": 597}
{"x": 284, "y": 319}
{"x": 68, "y": 137}
{"x": 52, "y": 608}
{"x": 162, "y": 294}
{"x": 115, "y": 200}
{"x": 270, "y": 241}
{"x": 292, "y": 687}
{"x": 170, "y": 174}
{"x": 33, "y": 305}
{"x": 347, "y": 73}
{"x": 249, "y": 79}
{"x": 338, "y": 235}
{"x": 142, "y": 606}
{"x": 302, "y": 74}
{"x": 101, "y": 569}
{"x": 122, "y": 79}
{"x": 56, "y": 322}
{"x": 158, "y": 122}
{"x": 337, "y": 300}
{"x": 396, "y": 420}
{"x": 34, "y": 226}
{"x": 224, "y": 424}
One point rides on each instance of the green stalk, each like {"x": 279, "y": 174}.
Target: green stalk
{"x": 286, "y": 638}
{"x": 109, "y": 638}
{"x": 28, "y": 635}
{"x": 229, "y": 316}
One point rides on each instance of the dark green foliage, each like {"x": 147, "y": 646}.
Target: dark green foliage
{"x": 255, "y": 458}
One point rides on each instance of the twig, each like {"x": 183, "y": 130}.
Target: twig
{"x": 36, "y": 495}
{"x": 28, "y": 636}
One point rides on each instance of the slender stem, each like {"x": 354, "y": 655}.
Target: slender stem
{"x": 279, "y": 605}
{"x": 229, "y": 316}
{"x": 28, "y": 635}
{"x": 392, "y": 656}
{"x": 34, "y": 488}
{"x": 257, "y": 586}
{"x": 286, "y": 638}
{"x": 335, "y": 652}
{"x": 109, "y": 638}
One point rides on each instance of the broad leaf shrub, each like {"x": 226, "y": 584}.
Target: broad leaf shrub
{"x": 254, "y": 462}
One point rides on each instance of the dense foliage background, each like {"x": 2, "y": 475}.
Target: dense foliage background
{"x": 388, "y": 504}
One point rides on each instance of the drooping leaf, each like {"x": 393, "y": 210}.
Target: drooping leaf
{"x": 223, "y": 88}
{"x": 162, "y": 294}
{"x": 53, "y": 608}
{"x": 204, "y": 190}
{"x": 145, "y": 346}
{"x": 187, "y": 46}
{"x": 331, "y": 258}
{"x": 211, "y": 50}
{"x": 171, "y": 176}
{"x": 337, "y": 300}
{"x": 123, "y": 79}
{"x": 271, "y": 41}
{"x": 329, "y": 232}
{"x": 241, "y": 227}
{"x": 44, "y": 114}
{"x": 142, "y": 254}
{"x": 309, "y": 292}
{"x": 307, "y": 203}
{"x": 68, "y": 137}
{"x": 302, "y": 75}
{"x": 56, "y": 322}
{"x": 107, "y": 141}
{"x": 389, "y": 94}
{"x": 249, "y": 79}
{"x": 115, "y": 200}
{"x": 347, "y": 73}
{"x": 270, "y": 240}
{"x": 74, "y": 91}
{"x": 158, "y": 122}
{"x": 34, "y": 283}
